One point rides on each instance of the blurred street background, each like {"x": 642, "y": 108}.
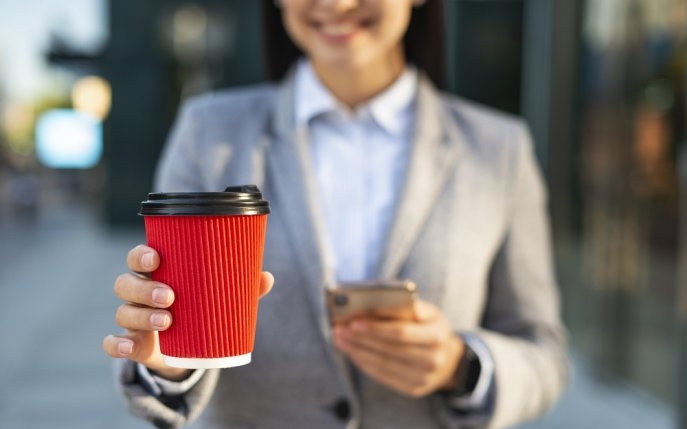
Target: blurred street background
{"x": 89, "y": 88}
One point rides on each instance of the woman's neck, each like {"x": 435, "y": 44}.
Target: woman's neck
{"x": 355, "y": 86}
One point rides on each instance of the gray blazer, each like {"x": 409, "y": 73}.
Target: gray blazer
{"x": 471, "y": 229}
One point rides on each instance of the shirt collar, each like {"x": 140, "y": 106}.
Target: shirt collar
{"x": 311, "y": 97}
{"x": 390, "y": 108}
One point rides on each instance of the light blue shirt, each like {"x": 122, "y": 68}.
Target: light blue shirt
{"x": 359, "y": 159}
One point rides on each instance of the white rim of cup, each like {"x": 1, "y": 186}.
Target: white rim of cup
{"x": 202, "y": 363}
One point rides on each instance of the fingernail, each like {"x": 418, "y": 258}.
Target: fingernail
{"x": 125, "y": 347}
{"x": 147, "y": 260}
{"x": 162, "y": 296}
{"x": 159, "y": 320}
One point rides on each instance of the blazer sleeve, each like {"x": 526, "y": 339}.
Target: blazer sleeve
{"x": 521, "y": 325}
{"x": 165, "y": 412}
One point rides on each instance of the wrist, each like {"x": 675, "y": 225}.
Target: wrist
{"x": 466, "y": 373}
{"x": 458, "y": 366}
{"x": 171, "y": 373}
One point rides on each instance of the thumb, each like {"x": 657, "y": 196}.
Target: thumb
{"x": 266, "y": 283}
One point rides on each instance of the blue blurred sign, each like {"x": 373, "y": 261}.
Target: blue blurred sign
{"x": 66, "y": 138}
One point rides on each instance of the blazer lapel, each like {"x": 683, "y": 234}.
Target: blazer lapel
{"x": 289, "y": 162}
{"x": 436, "y": 146}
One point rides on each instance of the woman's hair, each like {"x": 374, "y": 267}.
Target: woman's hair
{"x": 423, "y": 41}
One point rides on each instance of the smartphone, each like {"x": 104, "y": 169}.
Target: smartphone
{"x": 385, "y": 299}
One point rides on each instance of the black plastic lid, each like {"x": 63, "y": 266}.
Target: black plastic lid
{"x": 235, "y": 200}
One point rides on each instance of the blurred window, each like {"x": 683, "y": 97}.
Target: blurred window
{"x": 67, "y": 138}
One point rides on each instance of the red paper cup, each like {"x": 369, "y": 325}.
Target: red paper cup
{"x": 210, "y": 246}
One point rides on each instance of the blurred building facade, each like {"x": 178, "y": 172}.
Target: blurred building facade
{"x": 620, "y": 247}
{"x": 159, "y": 52}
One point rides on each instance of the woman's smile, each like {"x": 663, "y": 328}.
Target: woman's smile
{"x": 337, "y": 30}
{"x": 356, "y": 35}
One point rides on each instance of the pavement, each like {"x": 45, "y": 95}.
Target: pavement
{"x": 591, "y": 403}
{"x": 56, "y": 304}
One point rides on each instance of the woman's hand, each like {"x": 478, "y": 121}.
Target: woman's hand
{"x": 415, "y": 357}
{"x": 144, "y": 312}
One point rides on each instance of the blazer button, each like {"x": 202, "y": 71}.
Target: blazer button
{"x": 342, "y": 409}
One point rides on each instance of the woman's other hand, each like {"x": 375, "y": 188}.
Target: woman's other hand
{"x": 413, "y": 357}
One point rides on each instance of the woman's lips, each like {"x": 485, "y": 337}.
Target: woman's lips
{"x": 338, "y": 32}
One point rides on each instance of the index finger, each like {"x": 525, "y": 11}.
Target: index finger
{"x": 424, "y": 329}
{"x": 397, "y": 331}
{"x": 132, "y": 288}
{"x": 142, "y": 259}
